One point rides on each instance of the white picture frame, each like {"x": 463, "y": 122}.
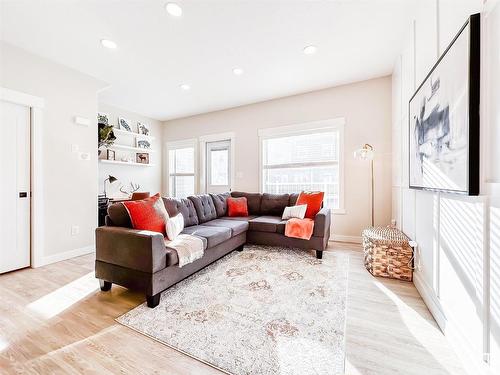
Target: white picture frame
{"x": 142, "y": 143}
{"x": 143, "y": 128}
{"x": 102, "y": 118}
{"x": 124, "y": 124}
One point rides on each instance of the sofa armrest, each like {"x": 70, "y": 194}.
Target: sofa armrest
{"x": 322, "y": 222}
{"x": 140, "y": 250}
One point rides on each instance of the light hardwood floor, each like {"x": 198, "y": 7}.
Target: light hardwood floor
{"x": 55, "y": 320}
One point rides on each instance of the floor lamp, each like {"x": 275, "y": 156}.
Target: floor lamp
{"x": 367, "y": 153}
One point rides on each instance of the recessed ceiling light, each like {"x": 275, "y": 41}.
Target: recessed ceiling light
{"x": 108, "y": 43}
{"x": 185, "y": 87}
{"x": 173, "y": 9}
{"x": 237, "y": 71}
{"x": 310, "y": 50}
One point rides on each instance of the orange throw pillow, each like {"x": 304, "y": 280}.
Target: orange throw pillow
{"x": 148, "y": 214}
{"x": 237, "y": 207}
{"x": 313, "y": 199}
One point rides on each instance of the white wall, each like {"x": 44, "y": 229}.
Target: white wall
{"x": 149, "y": 178}
{"x": 455, "y": 235}
{"x": 366, "y": 106}
{"x": 70, "y": 184}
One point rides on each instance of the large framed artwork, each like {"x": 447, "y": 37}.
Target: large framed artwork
{"x": 444, "y": 119}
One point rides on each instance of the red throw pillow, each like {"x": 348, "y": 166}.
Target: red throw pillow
{"x": 237, "y": 207}
{"x": 313, "y": 199}
{"x": 148, "y": 214}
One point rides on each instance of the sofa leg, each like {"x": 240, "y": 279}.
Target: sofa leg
{"x": 105, "y": 285}
{"x": 319, "y": 254}
{"x": 153, "y": 301}
{"x": 240, "y": 248}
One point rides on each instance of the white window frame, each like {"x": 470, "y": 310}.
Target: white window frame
{"x": 203, "y": 140}
{"x": 175, "y": 145}
{"x": 335, "y": 124}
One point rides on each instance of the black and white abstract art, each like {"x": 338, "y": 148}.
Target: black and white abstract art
{"x": 440, "y": 123}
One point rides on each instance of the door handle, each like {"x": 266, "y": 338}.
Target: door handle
{"x": 23, "y": 194}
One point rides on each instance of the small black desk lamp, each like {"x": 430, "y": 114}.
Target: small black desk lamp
{"x": 111, "y": 179}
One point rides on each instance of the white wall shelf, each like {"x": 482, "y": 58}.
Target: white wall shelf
{"x": 131, "y": 148}
{"x": 125, "y": 163}
{"x": 125, "y": 132}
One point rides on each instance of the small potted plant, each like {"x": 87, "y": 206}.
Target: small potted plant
{"x": 106, "y": 136}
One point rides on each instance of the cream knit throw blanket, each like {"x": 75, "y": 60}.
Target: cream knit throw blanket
{"x": 189, "y": 248}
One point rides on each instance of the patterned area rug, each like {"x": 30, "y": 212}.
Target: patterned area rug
{"x": 265, "y": 310}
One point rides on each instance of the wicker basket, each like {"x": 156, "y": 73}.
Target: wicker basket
{"x": 387, "y": 253}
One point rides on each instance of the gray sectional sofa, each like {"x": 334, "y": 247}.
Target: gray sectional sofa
{"x": 140, "y": 260}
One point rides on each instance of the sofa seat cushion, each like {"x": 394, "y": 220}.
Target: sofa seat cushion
{"x": 172, "y": 258}
{"x": 272, "y": 224}
{"x": 236, "y": 226}
{"x": 239, "y": 218}
{"x": 214, "y": 235}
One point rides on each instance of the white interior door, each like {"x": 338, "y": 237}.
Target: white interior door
{"x": 14, "y": 187}
{"x": 218, "y": 164}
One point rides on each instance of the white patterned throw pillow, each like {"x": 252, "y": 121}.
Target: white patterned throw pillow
{"x": 294, "y": 211}
{"x": 174, "y": 226}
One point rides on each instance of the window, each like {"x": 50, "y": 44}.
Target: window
{"x": 216, "y": 162}
{"x": 218, "y": 166}
{"x": 181, "y": 169}
{"x": 304, "y": 157}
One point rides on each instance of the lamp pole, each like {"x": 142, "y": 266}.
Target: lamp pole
{"x": 366, "y": 153}
{"x": 373, "y": 193}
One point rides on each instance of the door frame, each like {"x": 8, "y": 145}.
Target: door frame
{"x": 36, "y": 106}
{"x": 203, "y": 157}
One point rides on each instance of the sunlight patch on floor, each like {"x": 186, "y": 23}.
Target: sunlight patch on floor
{"x": 409, "y": 317}
{"x": 60, "y": 299}
{"x": 3, "y": 344}
{"x": 350, "y": 369}
{"x": 299, "y": 356}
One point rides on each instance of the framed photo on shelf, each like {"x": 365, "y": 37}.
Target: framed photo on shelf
{"x": 142, "y": 158}
{"x": 110, "y": 155}
{"x": 124, "y": 124}
{"x": 142, "y": 143}
{"x": 142, "y": 128}
{"x": 102, "y": 118}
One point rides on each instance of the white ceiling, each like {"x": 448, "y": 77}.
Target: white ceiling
{"x": 356, "y": 40}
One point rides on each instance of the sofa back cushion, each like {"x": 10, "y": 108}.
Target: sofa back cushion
{"x": 204, "y": 206}
{"x": 253, "y": 201}
{"x": 185, "y": 207}
{"x": 293, "y": 199}
{"x": 220, "y": 203}
{"x": 273, "y": 204}
{"x": 118, "y": 216}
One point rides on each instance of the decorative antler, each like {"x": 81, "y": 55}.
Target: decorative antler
{"x": 133, "y": 188}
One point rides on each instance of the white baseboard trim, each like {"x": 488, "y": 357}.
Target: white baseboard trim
{"x": 471, "y": 360}
{"x": 66, "y": 255}
{"x": 430, "y": 300}
{"x": 342, "y": 238}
